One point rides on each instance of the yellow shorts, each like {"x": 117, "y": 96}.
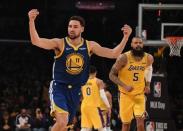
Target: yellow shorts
{"x": 91, "y": 117}
{"x": 131, "y": 106}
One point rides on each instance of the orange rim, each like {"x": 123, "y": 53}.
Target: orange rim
{"x": 173, "y": 39}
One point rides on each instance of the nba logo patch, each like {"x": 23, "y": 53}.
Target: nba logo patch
{"x": 150, "y": 126}
{"x": 157, "y": 89}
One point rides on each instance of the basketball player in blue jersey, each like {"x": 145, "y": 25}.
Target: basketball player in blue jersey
{"x": 71, "y": 66}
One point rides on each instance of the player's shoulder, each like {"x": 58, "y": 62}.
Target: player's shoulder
{"x": 126, "y": 54}
{"x": 99, "y": 80}
{"x": 149, "y": 56}
{"x": 92, "y": 43}
{"x": 122, "y": 57}
{"x": 60, "y": 45}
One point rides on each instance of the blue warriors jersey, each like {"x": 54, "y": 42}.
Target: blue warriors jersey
{"x": 72, "y": 65}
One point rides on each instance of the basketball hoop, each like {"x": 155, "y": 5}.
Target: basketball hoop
{"x": 175, "y": 44}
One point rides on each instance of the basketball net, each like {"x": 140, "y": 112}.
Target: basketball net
{"x": 175, "y": 44}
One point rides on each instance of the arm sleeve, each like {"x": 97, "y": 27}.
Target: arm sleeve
{"x": 104, "y": 98}
{"x": 148, "y": 73}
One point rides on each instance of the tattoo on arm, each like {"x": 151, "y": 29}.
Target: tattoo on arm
{"x": 113, "y": 75}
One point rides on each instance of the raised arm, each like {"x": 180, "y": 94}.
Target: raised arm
{"x": 115, "y": 52}
{"x": 35, "y": 39}
{"x": 113, "y": 75}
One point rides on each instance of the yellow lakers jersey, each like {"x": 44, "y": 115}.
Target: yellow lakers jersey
{"x": 91, "y": 94}
{"x": 133, "y": 74}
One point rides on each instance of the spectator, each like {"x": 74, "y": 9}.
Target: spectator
{"x": 6, "y": 123}
{"x": 23, "y": 121}
{"x": 39, "y": 121}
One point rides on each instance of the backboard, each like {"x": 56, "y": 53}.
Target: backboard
{"x": 157, "y": 21}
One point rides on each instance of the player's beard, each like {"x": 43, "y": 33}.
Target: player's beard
{"x": 73, "y": 36}
{"x": 138, "y": 51}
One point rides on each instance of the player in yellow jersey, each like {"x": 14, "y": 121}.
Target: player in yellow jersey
{"x": 104, "y": 108}
{"x": 132, "y": 73}
{"x": 91, "y": 113}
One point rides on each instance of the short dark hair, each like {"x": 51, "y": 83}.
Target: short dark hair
{"x": 78, "y": 18}
{"x": 92, "y": 69}
{"x": 138, "y": 37}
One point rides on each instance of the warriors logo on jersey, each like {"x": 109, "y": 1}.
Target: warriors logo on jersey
{"x": 74, "y": 63}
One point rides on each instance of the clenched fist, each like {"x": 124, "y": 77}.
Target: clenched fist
{"x": 33, "y": 14}
{"x": 127, "y": 30}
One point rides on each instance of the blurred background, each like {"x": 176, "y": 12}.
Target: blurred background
{"x": 25, "y": 70}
